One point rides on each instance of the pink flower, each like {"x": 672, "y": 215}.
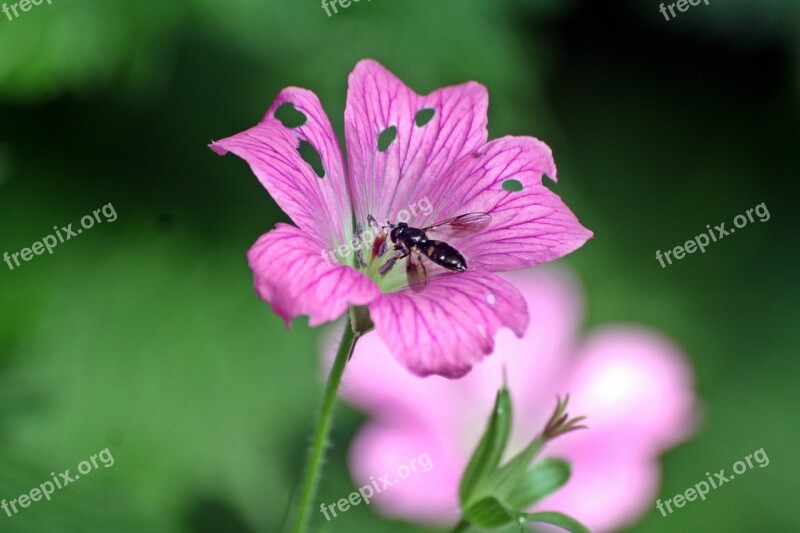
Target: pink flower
{"x": 449, "y": 163}
{"x": 634, "y": 386}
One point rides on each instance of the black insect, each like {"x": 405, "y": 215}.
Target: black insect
{"x": 414, "y": 242}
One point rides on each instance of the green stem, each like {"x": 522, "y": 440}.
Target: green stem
{"x": 317, "y": 451}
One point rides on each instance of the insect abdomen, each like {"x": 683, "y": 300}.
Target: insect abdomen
{"x": 445, "y": 255}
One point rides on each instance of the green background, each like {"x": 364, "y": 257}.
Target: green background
{"x": 144, "y": 335}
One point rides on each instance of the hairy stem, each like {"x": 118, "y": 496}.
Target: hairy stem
{"x": 316, "y": 452}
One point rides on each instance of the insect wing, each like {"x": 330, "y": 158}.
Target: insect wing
{"x": 460, "y": 226}
{"x": 416, "y": 272}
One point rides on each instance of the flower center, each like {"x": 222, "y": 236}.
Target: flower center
{"x": 375, "y": 255}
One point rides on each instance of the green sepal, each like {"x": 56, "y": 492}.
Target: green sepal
{"x": 490, "y": 448}
{"x": 557, "y": 519}
{"x": 489, "y": 513}
{"x": 539, "y": 481}
{"x": 503, "y": 480}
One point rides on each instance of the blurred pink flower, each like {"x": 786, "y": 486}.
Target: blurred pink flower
{"x": 634, "y": 385}
{"x": 445, "y": 159}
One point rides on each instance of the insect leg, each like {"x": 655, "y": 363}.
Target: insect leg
{"x": 416, "y": 272}
{"x": 389, "y": 264}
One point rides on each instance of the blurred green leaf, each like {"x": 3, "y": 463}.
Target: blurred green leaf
{"x": 77, "y": 45}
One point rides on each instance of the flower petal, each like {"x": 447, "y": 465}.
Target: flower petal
{"x": 615, "y": 379}
{"x": 293, "y": 277}
{"x": 636, "y": 389}
{"x": 529, "y": 226}
{"x": 534, "y": 367}
{"x": 427, "y": 492}
{"x": 385, "y": 182}
{"x": 634, "y": 384}
{"x": 318, "y": 205}
{"x": 607, "y": 490}
{"x": 450, "y": 325}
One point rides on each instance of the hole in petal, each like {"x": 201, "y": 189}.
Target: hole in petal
{"x": 386, "y": 137}
{"x": 311, "y": 156}
{"x": 424, "y": 116}
{"x": 491, "y": 299}
{"x": 548, "y": 183}
{"x": 512, "y": 185}
{"x": 289, "y": 116}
